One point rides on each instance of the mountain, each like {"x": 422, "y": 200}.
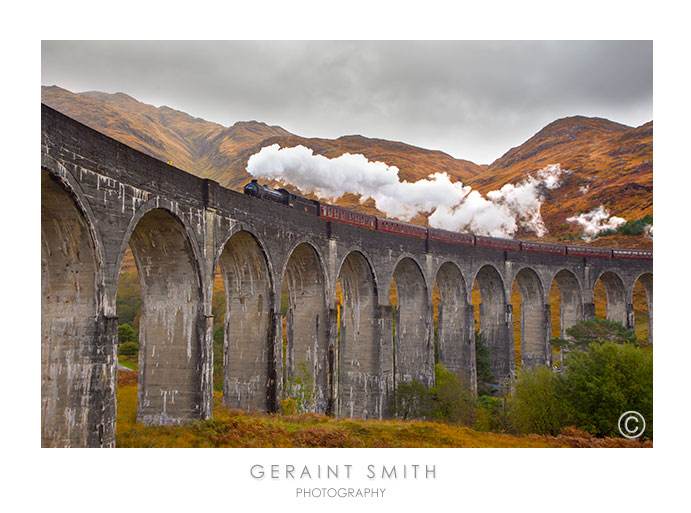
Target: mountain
{"x": 608, "y": 163}
{"x": 193, "y": 144}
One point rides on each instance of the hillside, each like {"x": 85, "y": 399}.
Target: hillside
{"x": 609, "y": 163}
{"x": 200, "y": 147}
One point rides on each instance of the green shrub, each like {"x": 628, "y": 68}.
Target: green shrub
{"x": 452, "y": 399}
{"x": 299, "y": 394}
{"x": 636, "y": 227}
{"x": 218, "y": 358}
{"x": 129, "y": 300}
{"x": 492, "y": 415}
{"x": 412, "y": 400}
{"x": 601, "y": 383}
{"x": 533, "y": 406}
{"x": 594, "y": 330}
{"x": 126, "y": 334}
{"x": 129, "y": 349}
{"x": 483, "y": 366}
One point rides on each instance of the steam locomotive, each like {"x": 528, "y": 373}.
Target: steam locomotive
{"x": 344, "y": 215}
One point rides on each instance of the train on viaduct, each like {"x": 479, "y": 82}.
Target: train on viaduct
{"x": 99, "y": 197}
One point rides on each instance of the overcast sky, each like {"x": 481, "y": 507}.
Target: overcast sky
{"x": 473, "y": 100}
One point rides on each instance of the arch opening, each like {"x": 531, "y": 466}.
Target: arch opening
{"x": 305, "y": 336}
{"x": 248, "y": 369}
{"x": 454, "y": 341}
{"x": 74, "y": 354}
{"x": 413, "y": 344}
{"x": 566, "y": 308}
{"x": 359, "y": 388}
{"x": 609, "y": 297}
{"x": 172, "y": 324}
{"x": 493, "y": 321}
{"x": 530, "y": 321}
{"x": 128, "y": 307}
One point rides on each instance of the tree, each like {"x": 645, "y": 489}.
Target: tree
{"x": 126, "y": 334}
{"x": 451, "y": 399}
{"x": 594, "y": 330}
{"x": 483, "y": 366}
{"x": 604, "y": 381}
{"x": 533, "y": 405}
{"x": 412, "y": 400}
{"x": 129, "y": 349}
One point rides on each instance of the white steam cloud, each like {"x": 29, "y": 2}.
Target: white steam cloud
{"x": 596, "y": 221}
{"x": 453, "y": 206}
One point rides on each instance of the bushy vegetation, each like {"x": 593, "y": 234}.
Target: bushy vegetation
{"x": 129, "y": 301}
{"x": 411, "y": 400}
{"x": 636, "y": 227}
{"x": 597, "y": 331}
{"x": 534, "y": 407}
{"x": 218, "y": 358}
{"x": 606, "y": 374}
{"x": 233, "y": 428}
{"x": 483, "y": 366}
{"x": 129, "y": 349}
{"x": 126, "y": 334}
{"x": 128, "y": 346}
{"x": 603, "y": 382}
{"x": 450, "y": 400}
{"x": 298, "y": 391}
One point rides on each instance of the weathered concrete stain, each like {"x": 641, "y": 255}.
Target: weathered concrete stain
{"x": 170, "y": 378}
{"x": 455, "y": 333}
{"x": 247, "y": 347}
{"x": 358, "y": 348}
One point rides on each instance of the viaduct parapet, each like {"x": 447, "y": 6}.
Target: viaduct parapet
{"x": 99, "y": 196}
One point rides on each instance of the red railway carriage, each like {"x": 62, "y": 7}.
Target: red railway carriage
{"x": 635, "y": 254}
{"x": 343, "y": 215}
{"x": 447, "y": 236}
{"x": 493, "y": 242}
{"x": 541, "y": 247}
{"x": 386, "y": 225}
{"x": 589, "y": 252}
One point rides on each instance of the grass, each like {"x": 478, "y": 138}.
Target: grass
{"x": 131, "y": 362}
{"x": 233, "y": 428}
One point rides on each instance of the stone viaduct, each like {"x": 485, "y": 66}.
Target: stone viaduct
{"x": 99, "y": 196}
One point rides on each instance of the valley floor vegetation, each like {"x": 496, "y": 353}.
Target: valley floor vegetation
{"x": 606, "y": 373}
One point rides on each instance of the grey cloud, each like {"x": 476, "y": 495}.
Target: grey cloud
{"x": 473, "y": 99}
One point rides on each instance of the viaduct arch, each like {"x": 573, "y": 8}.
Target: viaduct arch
{"x": 99, "y": 196}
